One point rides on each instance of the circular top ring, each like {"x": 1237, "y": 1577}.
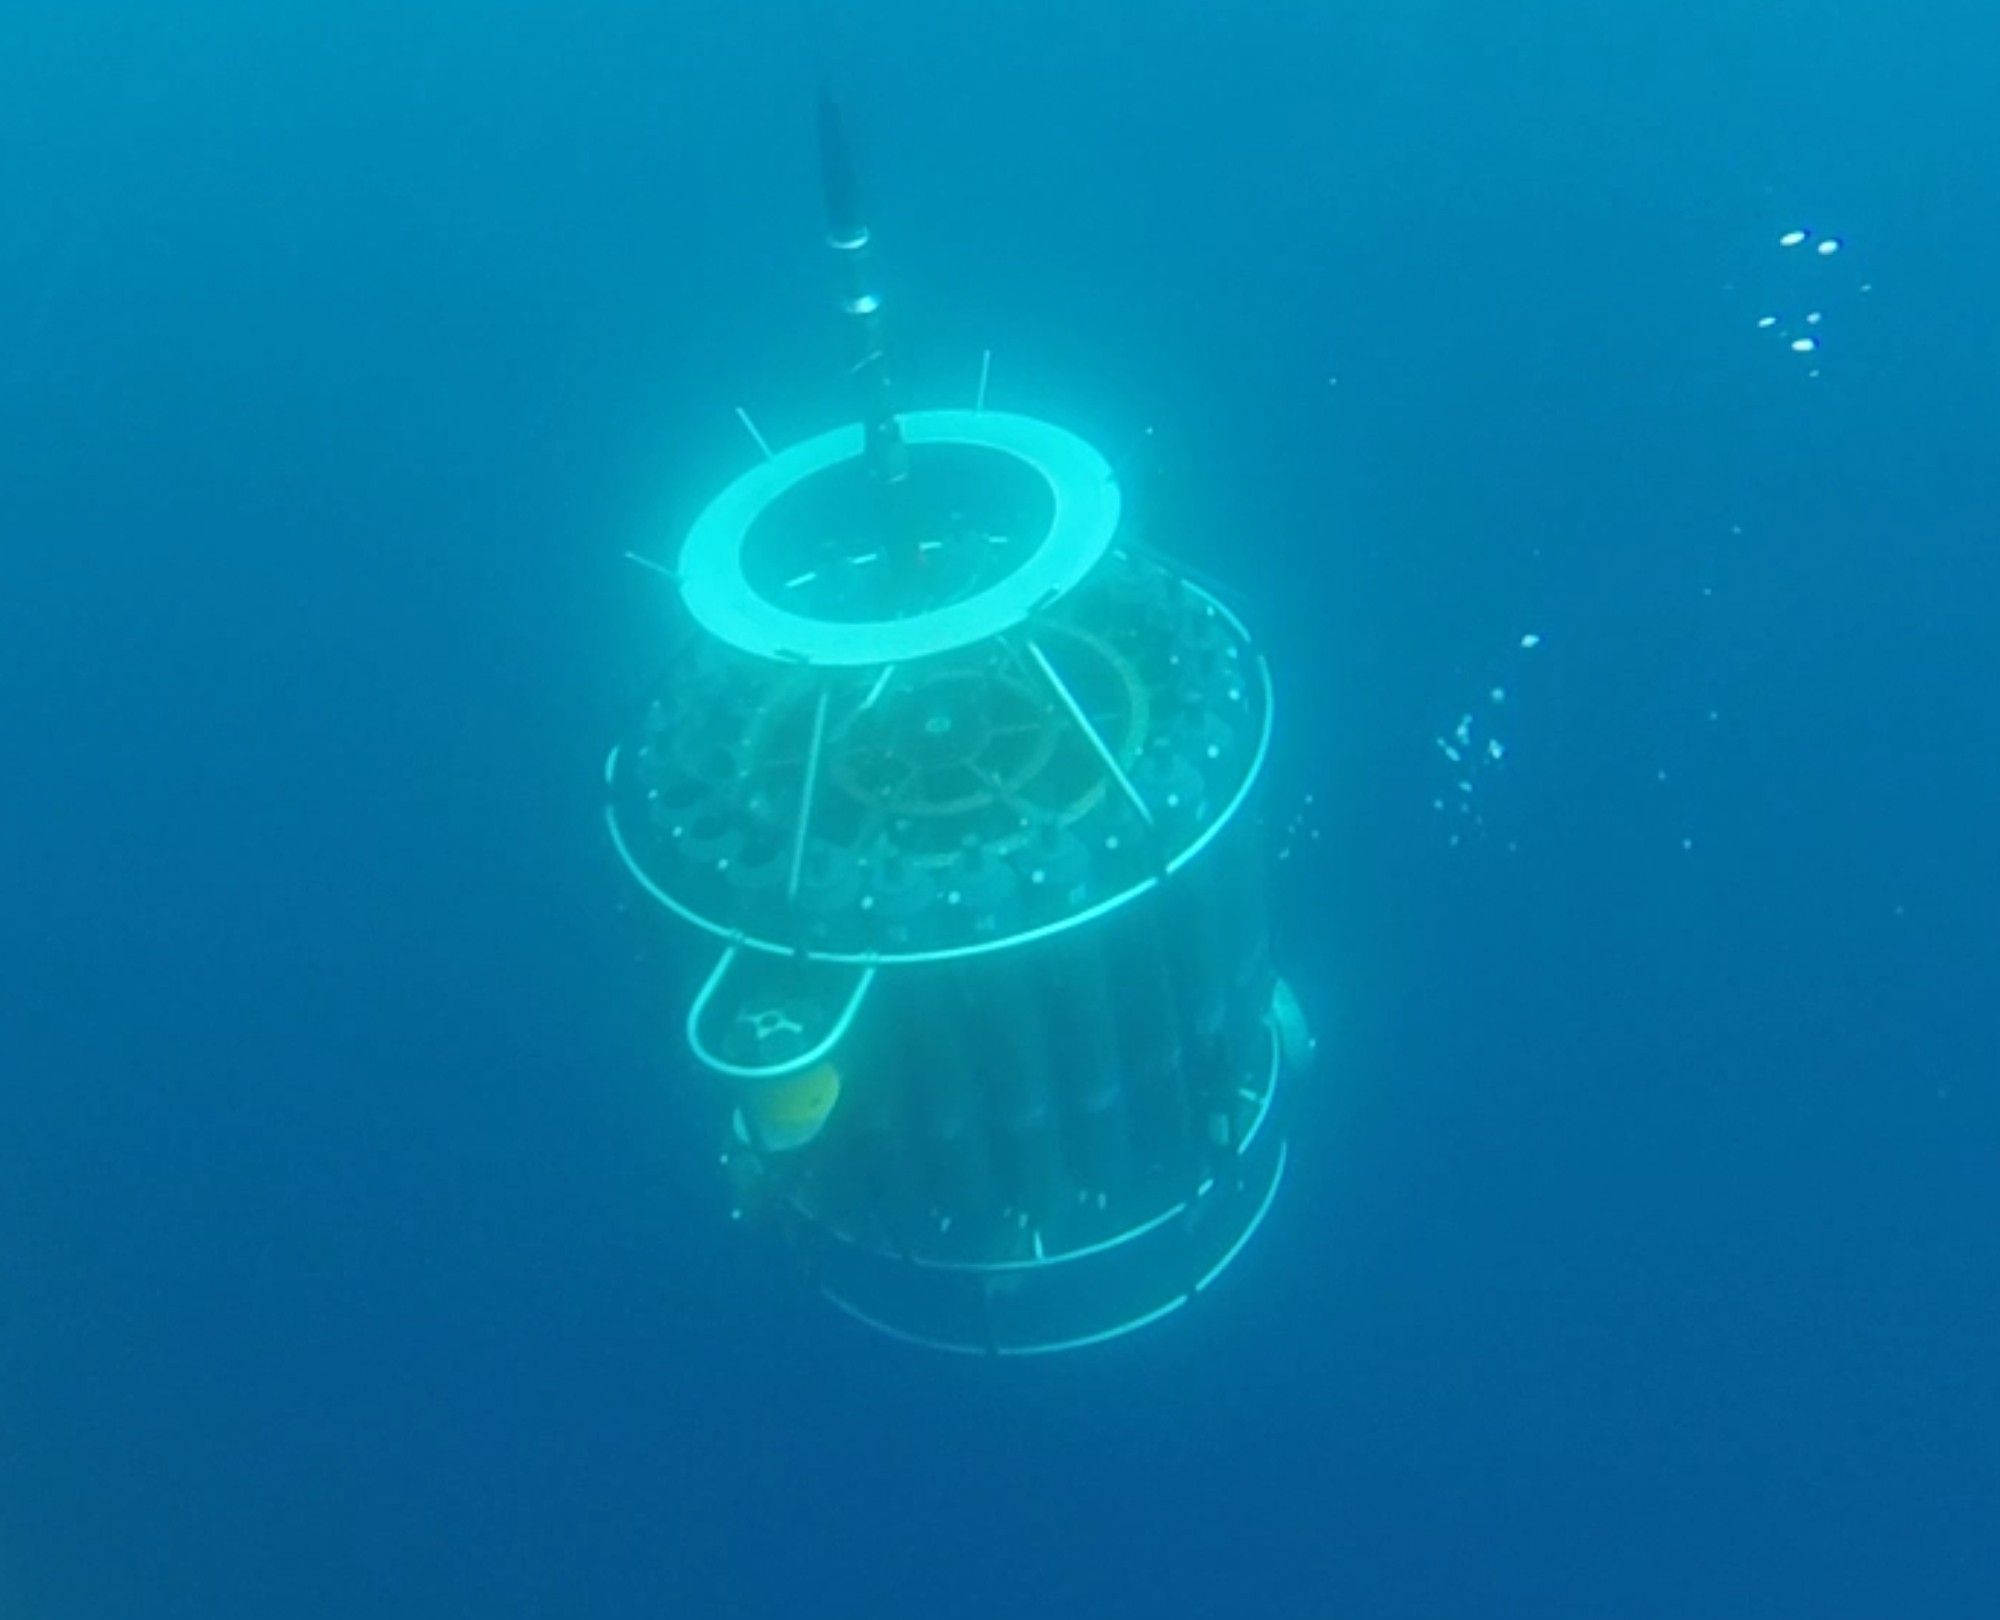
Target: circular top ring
{"x": 717, "y": 590}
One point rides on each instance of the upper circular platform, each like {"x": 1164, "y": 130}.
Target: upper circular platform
{"x": 717, "y": 583}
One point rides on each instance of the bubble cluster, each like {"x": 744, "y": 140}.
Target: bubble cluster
{"x": 1813, "y": 288}
{"x": 1301, "y": 829}
{"x": 1471, "y": 751}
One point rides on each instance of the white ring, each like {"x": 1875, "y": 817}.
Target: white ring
{"x": 1085, "y": 517}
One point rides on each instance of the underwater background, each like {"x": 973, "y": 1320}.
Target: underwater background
{"x": 361, "y": 1248}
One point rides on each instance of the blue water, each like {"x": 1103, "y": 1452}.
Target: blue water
{"x": 360, "y": 1252}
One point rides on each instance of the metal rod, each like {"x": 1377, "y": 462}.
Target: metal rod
{"x": 985, "y": 371}
{"x": 881, "y": 685}
{"x": 1089, "y": 731}
{"x": 750, "y": 427}
{"x": 659, "y": 568}
{"x": 1249, "y": 1231}
{"x": 806, "y": 798}
{"x": 885, "y": 454}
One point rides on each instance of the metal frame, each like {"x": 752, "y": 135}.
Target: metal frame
{"x": 768, "y": 1071}
{"x": 1174, "y": 1254}
{"x": 1181, "y": 1296}
{"x": 1045, "y": 1262}
{"x": 1145, "y": 885}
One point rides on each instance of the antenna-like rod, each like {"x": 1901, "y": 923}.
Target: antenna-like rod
{"x": 845, "y": 228}
{"x": 887, "y": 456}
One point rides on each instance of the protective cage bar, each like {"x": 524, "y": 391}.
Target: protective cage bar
{"x": 1068, "y": 1301}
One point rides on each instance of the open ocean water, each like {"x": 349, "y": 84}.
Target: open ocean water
{"x": 361, "y": 1247}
